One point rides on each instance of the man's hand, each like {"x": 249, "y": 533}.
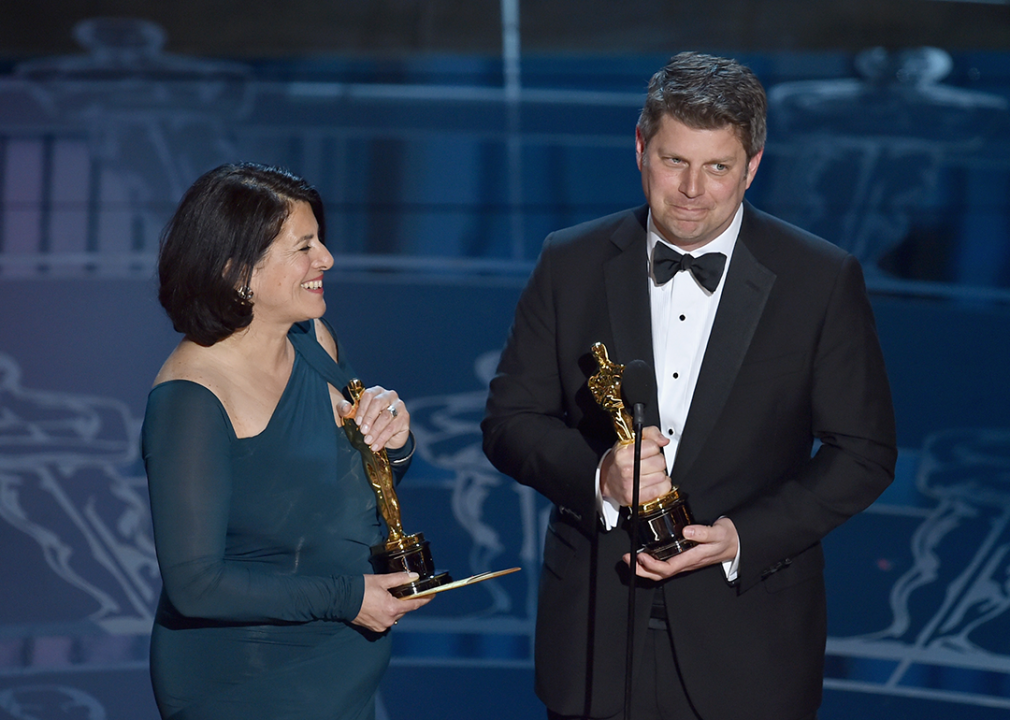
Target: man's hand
{"x": 617, "y": 470}
{"x": 717, "y": 543}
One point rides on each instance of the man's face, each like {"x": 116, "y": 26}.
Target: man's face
{"x": 694, "y": 180}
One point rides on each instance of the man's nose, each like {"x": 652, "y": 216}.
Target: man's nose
{"x": 691, "y": 183}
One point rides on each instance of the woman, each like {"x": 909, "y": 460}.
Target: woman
{"x": 263, "y": 516}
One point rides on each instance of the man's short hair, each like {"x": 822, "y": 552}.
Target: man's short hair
{"x": 707, "y": 93}
{"x": 222, "y": 228}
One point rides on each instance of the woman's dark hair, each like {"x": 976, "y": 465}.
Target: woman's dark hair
{"x": 220, "y": 231}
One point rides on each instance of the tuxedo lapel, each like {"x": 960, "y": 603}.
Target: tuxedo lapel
{"x": 748, "y": 284}
{"x": 626, "y": 280}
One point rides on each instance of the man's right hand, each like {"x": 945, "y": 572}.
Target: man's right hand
{"x": 617, "y": 470}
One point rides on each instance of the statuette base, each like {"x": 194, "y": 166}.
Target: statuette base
{"x": 661, "y": 524}
{"x": 408, "y": 554}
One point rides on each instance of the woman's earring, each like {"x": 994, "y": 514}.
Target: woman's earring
{"x": 245, "y": 292}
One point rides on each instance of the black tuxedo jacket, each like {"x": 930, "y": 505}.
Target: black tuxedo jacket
{"x": 793, "y": 357}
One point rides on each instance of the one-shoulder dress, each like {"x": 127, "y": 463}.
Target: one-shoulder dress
{"x": 263, "y": 543}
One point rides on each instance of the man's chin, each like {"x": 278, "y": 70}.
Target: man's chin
{"x": 686, "y": 235}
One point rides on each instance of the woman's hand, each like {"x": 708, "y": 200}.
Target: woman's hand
{"x": 380, "y": 610}
{"x": 382, "y": 418}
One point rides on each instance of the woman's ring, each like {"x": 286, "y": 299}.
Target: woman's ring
{"x": 392, "y": 409}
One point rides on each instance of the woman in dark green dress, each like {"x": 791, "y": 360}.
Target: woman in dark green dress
{"x": 263, "y": 516}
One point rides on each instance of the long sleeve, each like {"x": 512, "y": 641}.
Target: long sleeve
{"x": 852, "y": 416}
{"x": 528, "y": 432}
{"x": 187, "y": 449}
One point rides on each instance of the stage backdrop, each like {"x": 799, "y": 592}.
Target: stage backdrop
{"x": 439, "y": 189}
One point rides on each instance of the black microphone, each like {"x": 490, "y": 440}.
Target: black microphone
{"x": 638, "y": 385}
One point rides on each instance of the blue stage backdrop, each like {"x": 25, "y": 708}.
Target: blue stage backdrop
{"x": 439, "y": 189}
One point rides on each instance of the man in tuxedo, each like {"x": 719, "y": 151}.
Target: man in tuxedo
{"x": 764, "y": 346}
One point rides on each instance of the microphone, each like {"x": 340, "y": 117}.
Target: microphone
{"x": 638, "y": 385}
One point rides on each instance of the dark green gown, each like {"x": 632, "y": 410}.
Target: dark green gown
{"x": 262, "y": 543}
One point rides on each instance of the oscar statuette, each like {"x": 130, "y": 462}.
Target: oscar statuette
{"x": 662, "y": 520}
{"x": 400, "y": 552}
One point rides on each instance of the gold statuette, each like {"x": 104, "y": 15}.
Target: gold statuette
{"x": 660, "y": 531}
{"x": 606, "y": 388}
{"x": 400, "y": 553}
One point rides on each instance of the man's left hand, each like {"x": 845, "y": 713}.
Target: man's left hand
{"x": 717, "y": 543}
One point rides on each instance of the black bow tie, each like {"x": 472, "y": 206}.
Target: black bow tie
{"x": 707, "y": 269}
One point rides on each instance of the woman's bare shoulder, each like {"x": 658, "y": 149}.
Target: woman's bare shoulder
{"x": 195, "y": 363}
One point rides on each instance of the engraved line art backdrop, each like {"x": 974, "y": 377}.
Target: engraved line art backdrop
{"x": 441, "y": 180}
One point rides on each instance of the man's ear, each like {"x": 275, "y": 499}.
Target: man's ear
{"x": 752, "y": 166}
{"x": 639, "y": 147}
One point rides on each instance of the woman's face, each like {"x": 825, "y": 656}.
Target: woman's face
{"x": 287, "y": 283}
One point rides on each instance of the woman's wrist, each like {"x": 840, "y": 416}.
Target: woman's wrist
{"x": 400, "y": 455}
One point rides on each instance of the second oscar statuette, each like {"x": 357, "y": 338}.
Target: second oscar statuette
{"x": 662, "y": 520}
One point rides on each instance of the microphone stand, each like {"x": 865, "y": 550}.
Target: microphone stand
{"x": 637, "y": 423}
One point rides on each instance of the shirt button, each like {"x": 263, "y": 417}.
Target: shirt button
{"x": 683, "y": 317}
{"x": 670, "y": 431}
{"x": 676, "y": 375}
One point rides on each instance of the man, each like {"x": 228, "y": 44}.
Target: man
{"x": 753, "y": 364}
